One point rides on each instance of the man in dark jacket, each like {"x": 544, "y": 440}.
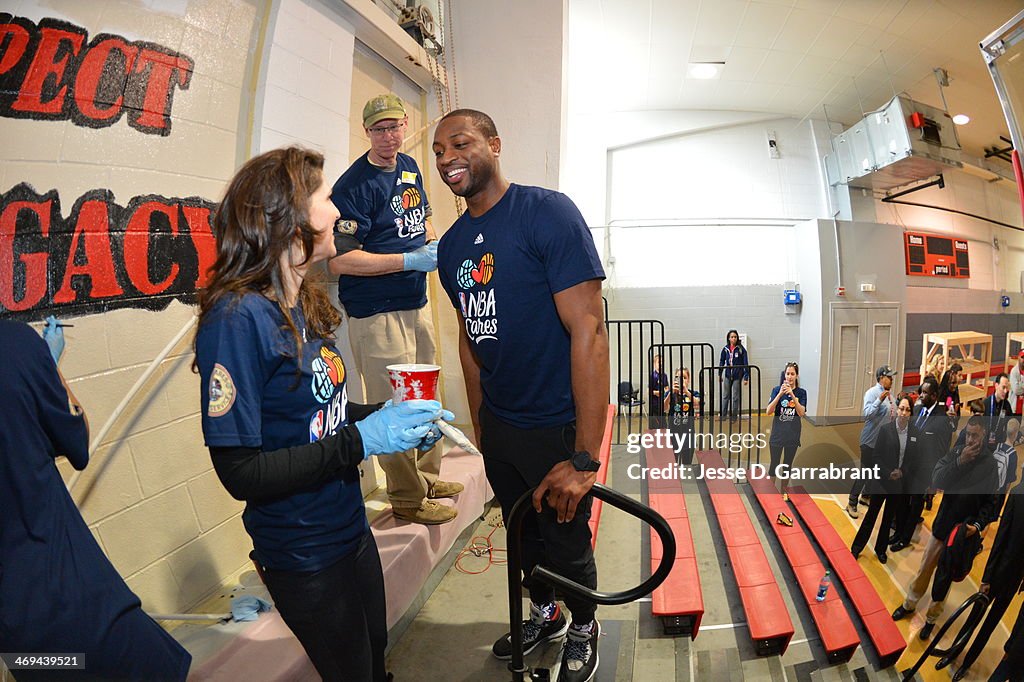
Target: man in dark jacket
{"x": 930, "y": 433}
{"x": 969, "y": 479}
{"x": 1004, "y": 574}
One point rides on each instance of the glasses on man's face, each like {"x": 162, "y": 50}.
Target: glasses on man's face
{"x": 386, "y": 130}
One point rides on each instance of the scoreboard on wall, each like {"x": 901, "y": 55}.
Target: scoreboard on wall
{"x": 932, "y": 255}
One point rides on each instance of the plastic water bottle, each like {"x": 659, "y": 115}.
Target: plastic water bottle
{"x": 823, "y": 586}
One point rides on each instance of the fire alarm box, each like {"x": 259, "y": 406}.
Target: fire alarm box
{"x": 932, "y": 255}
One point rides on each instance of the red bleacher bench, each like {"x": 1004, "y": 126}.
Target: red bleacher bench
{"x": 678, "y": 601}
{"x": 602, "y": 474}
{"x": 838, "y": 636}
{"x": 884, "y": 633}
{"x": 767, "y": 616}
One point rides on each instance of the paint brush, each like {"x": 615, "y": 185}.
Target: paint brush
{"x": 457, "y": 437}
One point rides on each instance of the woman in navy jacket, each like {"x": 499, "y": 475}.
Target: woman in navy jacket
{"x": 734, "y": 359}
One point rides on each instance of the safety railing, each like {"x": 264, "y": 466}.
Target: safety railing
{"x": 674, "y": 357}
{"x": 628, "y": 344}
{"x": 514, "y": 526}
{"x": 713, "y": 422}
{"x": 977, "y": 603}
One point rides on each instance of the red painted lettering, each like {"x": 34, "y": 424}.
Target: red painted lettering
{"x": 96, "y": 86}
{"x": 45, "y": 76}
{"x": 198, "y": 219}
{"x": 29, "y": 267}
{"x": 93, "y": 236}
{"x": 136, "y": 247}
{"x": 156, "y": 75}
{"x": 16, "y": 39}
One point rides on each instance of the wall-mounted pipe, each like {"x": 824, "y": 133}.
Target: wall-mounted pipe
{"x": 102, "y": 433}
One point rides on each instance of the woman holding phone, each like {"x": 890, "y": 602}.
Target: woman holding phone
{"x": 789, "y": 404}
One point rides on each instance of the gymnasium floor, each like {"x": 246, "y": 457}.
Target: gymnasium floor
{"x": 451, "y": 636}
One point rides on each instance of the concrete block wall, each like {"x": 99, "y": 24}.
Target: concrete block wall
{"x": 307, "y": 83}
{"x": 149, "y": 494}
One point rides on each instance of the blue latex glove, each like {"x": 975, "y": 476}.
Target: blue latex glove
{"x": 54, "y": 337}
{"x": 423, "y": 259}
{"x": 396, "y": 428}
{"x": 247, "y": 606}
{"x": 430, "y": 440}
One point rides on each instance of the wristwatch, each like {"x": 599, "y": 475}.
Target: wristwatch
{"x": 581, "y": 461}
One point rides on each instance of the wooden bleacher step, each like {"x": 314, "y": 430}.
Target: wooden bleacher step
{"x": 838, "y": 635}
{"x": 678, "y": 601}
{"x": 767, "y": 616}
{"x": 883, "y": 632}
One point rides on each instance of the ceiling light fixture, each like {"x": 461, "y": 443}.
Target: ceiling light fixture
{"x": 961, "y": 119}
{"x": 704, "y": 70}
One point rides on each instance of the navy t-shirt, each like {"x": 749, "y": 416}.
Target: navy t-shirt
{"x": 501, "y": 271}
{"x": 58, "y": 592}
{"x": 253, "y": 397}
{"x": 390, "y": 209}
{"x": 786, "y": 424}
{"x": 681, "y": 410}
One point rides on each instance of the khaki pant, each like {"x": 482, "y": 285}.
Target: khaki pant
{"x": 404, "y": 336}
{"x": 919, "y": 585}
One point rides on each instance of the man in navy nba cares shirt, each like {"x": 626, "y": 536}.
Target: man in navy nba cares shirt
{"x": 386, "y": 248}
{"x": 522, "y": 272}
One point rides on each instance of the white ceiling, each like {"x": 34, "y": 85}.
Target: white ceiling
{"x": 789, "y": 57}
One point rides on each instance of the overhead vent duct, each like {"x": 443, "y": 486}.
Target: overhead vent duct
{"x": 903, "y": 142}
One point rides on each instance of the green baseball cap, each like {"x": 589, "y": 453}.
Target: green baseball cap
{"x": 382, "y": 107}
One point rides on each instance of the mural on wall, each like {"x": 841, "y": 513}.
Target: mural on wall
{"x": 49, "y": 72}
{"x": 102, "y": 256}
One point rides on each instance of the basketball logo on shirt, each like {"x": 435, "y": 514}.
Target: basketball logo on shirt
{"x": 470, "y": 274}
{"x": 409, "y": 198}
{"x": 222, "y": 392}
{"x": 328, "y": 372}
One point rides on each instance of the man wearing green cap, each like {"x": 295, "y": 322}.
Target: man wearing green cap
{"x": 386, "y": 248}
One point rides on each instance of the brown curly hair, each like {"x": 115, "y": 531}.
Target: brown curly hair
{"x": 265, "y": 209}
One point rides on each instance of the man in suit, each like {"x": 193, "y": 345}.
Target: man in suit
{"x": 968, "y": 477}
{"x": 931, "y": 429}
{"x": 1004, "y": 574}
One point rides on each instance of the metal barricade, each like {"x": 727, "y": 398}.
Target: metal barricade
{"x": 708, "y": 385}
{"x": 628, "y": 344}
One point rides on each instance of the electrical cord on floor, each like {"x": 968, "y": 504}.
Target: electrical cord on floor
{"x": 481, "y": 546}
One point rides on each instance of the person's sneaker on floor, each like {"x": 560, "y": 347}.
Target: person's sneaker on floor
{"x": 851, "y": 509}
{"x": 546, "y": 623}
{"x": 579, "y": 653}
{"x": 428, "y": 513}
{"x": 441, "y": 489}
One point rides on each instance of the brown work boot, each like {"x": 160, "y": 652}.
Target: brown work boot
{"x": 428, "y": 513}
{"x": 442, "y": 489}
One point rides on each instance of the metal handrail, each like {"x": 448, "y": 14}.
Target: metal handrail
{"x": 978, "y": 603}
{"x": 514, "y": 526}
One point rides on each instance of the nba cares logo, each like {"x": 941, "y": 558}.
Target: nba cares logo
{"x": 470, "y": 273}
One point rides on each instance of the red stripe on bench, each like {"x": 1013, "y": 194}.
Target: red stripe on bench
{"x": 838, "y": 635}
{"x": 602, "y": 474}
{"x": 767, "y": 616}
{"x": 884, "y": 634}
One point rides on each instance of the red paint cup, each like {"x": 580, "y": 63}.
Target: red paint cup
{"x": 413, "y": 381}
